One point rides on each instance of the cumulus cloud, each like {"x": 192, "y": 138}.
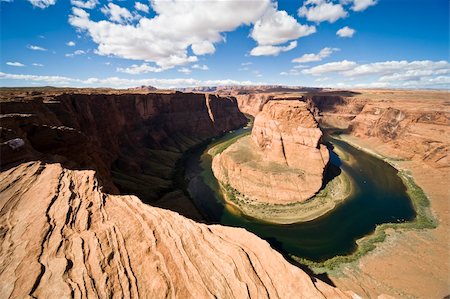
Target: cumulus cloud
{"x": 325, "y": 52}
{"x": 275, "y": 28}
{"x": 140, "y": 69}
{"x": 77, "y": 52}
{"x": 116, "y": 13}
{"x": 345, "y": 32}
{"x": 42, "y": 3}
{"x": 200, "y": 67}
{"x": 330, "y": 67}
{"x": 179, "y": 26}
{"x": 141, "y": 7}
{"x": 88, "y": 4}
{"x": 38, "y": 64}
{"x": 185, "y": 70}
{"x": 322, "y": 10}
{"x": 272, "y": 50}
{"x": 420, "y": 73}
{"x": 118, "y": 82}
{"x": 360, "y": 5}
{"x": 15, "y": 63}
{"x": 36, "y": 48}
{"x": 70, "y": 44}
{"x": 399, "y": 67}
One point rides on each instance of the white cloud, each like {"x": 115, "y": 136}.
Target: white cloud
{"x": 70, "y": 44}
{"x": 272, "y": 50}
{"x": 120, "y": 82}
{"x": 360, "y": 5}
{"x": 141, "y": 7}
{"x": 88, "y": 4}
{"x": 202, "y": 48}
{"x": 322, "y": 10}
{"x": 179, "y": 25}
{"x": 15, "y": 63}
{"x": 246, "y": 63}
{"x": 185, "y": 70}
{"x": 403, "y": 66}
{"x": 77, "y": 52}
{"x": 345, "y": 32}
{"x": 325, "y": 52}
{"x": 42, "y": 3}
{"x": 330, "y": 67}
{"x": 38, "y": 64}
{"x": 117, "y": 13}
{"x": 140, "y": 69}
{"x": 200, "y": 67}
{"x": 277, "y": 27}
{"x": 36, "y": 48}
{"x": 405, "y": 74}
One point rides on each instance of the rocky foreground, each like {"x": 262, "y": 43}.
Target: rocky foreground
{"x": 63, "y": 237}
{"x": 65, "y": 231}
{"x": 282, "y": 162}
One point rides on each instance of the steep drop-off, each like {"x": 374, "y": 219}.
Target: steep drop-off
{"x": 409, "y": 129}
{"x": 133, "y": 141}
{"x": 282, "y": 162}
{"x": 62, "y": 237}
{"x": 63, "y": 234}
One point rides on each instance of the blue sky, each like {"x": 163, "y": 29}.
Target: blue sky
{"x": 174, "y": 43}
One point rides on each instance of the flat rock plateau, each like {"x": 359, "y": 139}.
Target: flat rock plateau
{"x": 67, "y": 155}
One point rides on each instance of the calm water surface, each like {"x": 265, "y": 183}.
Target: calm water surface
{"x": 379, "y": 197}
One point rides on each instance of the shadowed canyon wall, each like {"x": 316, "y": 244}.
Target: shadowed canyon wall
{"x": 64, "y": 234}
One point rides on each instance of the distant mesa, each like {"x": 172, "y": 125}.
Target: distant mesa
{"x": 144, "y": 88}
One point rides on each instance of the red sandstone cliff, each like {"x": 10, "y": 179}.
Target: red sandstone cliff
{"x": 138, "y": 137}
{"x": 283, "y": 161}
{"x": 63, "y": 236}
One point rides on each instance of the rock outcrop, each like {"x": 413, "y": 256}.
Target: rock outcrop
{"x": 283, "y": 161}
{"x": 410, "y": 125}
{"x": 287, "y": 133}
{"x": 132, "y": 141}
{"x": 63, "y": 236}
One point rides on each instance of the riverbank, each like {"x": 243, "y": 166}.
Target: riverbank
{"x": 424, "y": 218}
{"x": 413, "y": 260}
{"x": 335, "y": 192}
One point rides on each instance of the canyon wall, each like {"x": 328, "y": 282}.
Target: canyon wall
{"x": 132, "y": 141}
{"x": 282, "y": 162}
{"x": 409, "y": 128}
{"x": 410, "y": 125}
{"x": 62, "y": 235}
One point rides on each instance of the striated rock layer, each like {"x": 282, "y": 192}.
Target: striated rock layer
{"x": 63, "y": 237}
{"x": 283, "y": 161}
{"x": 132, "y": 140}
{"x": 411, "y": 129}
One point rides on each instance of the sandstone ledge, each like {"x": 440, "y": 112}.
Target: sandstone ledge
{"x": 62, "y": 237}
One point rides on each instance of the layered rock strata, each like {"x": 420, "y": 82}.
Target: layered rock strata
{"x": 62, "y": 237}
{"x": 133, "y": 141}
{"x": 283, "y": 161}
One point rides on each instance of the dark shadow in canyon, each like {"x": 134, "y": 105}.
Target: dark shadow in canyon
{"x": 278, "y": 246}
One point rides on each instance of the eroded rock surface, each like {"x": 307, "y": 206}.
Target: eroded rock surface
{"x": 63, "y": 237}
{"x": 283, "y": 161}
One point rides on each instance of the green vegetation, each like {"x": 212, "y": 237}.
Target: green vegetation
{"x": 335, "y": 192}
{"x": 219, "y": 148}
{"x": 424, "y": 220}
